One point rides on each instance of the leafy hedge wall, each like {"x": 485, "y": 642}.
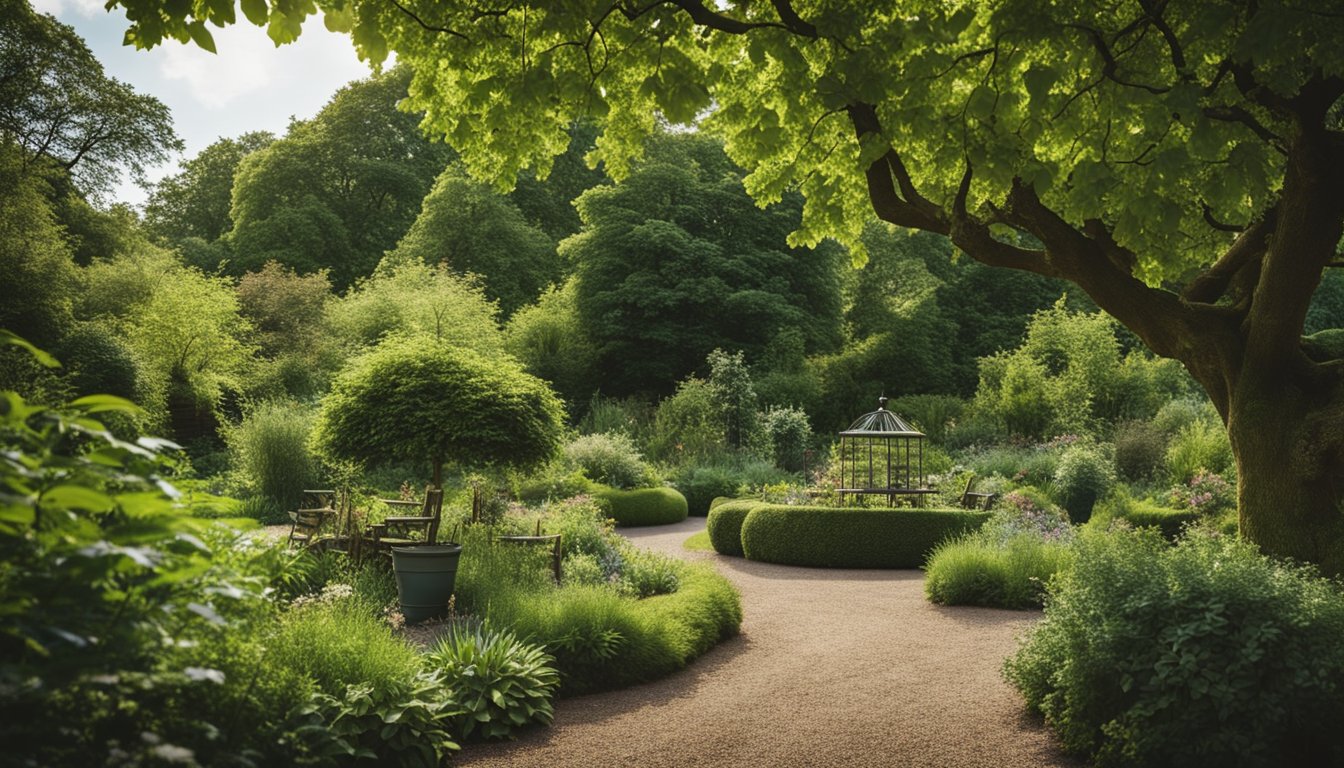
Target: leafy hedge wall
{"x": 643, "y": 506}
{"x": 851, "y": 538}
{"x": 725, "y": 524}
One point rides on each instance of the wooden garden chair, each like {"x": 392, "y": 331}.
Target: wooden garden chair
{"x": 549, "y": 541}
{"x": 408, "y": 530}
{"x": 316, "y": 508}
{"x": 973, "y": 500}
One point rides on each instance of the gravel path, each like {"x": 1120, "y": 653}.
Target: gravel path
{"x": 833, "y": 668}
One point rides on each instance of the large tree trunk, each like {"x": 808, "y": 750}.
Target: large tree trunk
{"x": 1288, "y": 439}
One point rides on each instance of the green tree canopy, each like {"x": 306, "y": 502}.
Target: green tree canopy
{"x": 415, "y": 299}
{"x": 71, "y": 119}
{"x": 414, "y": 400}
{"x": 195, "y": 201}
{"x": 473, "y": 229}
{"x": 338, "y": 190}
{"x": 548, "y": 339}
{"x": 676, "y": 261}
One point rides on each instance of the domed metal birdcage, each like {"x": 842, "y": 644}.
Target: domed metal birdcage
{"x": 882, "y": 455}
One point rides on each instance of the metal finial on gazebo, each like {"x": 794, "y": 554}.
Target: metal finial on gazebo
{"x": 882, "y": 454}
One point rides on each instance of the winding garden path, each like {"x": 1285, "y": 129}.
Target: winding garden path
{"x": 833, "y": 668}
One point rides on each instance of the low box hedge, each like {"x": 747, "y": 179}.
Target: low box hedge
{"x": 643, "y": 506}
{"x": 725, "y": 524}
{"x": 851, "y": 538}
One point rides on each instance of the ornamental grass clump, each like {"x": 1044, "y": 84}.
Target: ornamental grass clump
{"x": 1007, "y": 563}
{"x": 1205, "y": 653}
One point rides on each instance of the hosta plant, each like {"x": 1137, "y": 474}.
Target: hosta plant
{"x": 500, "y": 682}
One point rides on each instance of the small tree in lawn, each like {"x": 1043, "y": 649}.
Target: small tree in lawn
{"x": 412, "y": 400}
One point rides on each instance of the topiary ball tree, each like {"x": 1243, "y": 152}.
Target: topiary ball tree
{"x": 415, "y": 400}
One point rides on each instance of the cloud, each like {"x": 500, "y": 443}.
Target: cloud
{"x": 216, "y": 80}
{"x": 249, "y": 65}
{"x": 86, "y": 8}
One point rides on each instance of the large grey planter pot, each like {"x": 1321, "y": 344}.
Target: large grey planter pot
{"x": 425, "y": 579}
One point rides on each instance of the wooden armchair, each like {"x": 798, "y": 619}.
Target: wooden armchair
{"x": 973, "y": 500}
{"x": 402, "y": 530}
{"x": 316, "y": 507}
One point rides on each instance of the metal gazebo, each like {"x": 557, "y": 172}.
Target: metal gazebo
{"x": 882, "y": 455}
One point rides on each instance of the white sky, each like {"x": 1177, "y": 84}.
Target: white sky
{"x": 249, "y": 85}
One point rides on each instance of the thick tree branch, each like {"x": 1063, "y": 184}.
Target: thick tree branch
{"x": 1110, "y": 66}
{"x": 1248, "y": 249}
{"x": 907, "y": 208}
{"x": 1236, "y": 114}
{"x": 792, "y": 20}
{"x": 1310, "y": 223}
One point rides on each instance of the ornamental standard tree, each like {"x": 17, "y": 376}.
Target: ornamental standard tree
{"x": 415, "y": 400}
{"x": 1182, "y": 161}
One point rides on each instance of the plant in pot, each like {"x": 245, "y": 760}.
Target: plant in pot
{"x": 412, "y": 398}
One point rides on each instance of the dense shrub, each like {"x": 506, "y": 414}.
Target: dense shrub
{"x": 851, "y": 538}
{"x": 1140, "y": 450}
{"x": 609, "y": 458}
{"x": 1201, "y": 445}
{"x": 1007, "y": 562}
{"x": 270, "y": 450}
{"x": 1202, "y": 654}
{"x": 701, "y": 485}
{"x": 725, "y": 525}
{"x": 1205, "y": 493}
{"x": 500, "y": 682}
{"x": 1141, "y": 513}
{"x": 784, "y": 434}
{"x": 1082, "y": 476}
{"x": 1178, "y": 414}
{"x": 687, "y": 426}
{"x": 644, "y": 506}
{"x": 99, "y": 567}
{"x": 977, "y": 571}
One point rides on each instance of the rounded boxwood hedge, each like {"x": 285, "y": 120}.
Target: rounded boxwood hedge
{"x": 643, "y": 506}
{"x": 851, "y": 538}
{"x": 725, "y": 524}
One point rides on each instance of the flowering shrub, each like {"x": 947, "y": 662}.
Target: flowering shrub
{"x": 1205, "y": 493}
{"x": 1024, "y": 511}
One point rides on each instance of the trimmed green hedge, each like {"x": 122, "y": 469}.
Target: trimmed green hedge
{"x": 643, "y": 506}
{"x": 719, "y": 500}
{"x": 851, "y": 538}
{"x": 725, "y": 524}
